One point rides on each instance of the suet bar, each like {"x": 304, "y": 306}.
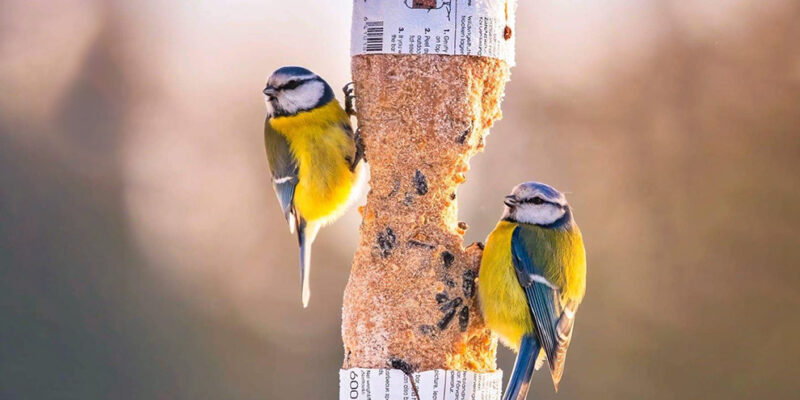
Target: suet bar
{"x": 411, "y": 296}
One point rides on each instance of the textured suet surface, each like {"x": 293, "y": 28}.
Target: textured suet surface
{"x": 411, "y": 289}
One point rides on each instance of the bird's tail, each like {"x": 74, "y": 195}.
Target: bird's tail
{"x": 520, "y": 380}
{"x": 306, "y": 233}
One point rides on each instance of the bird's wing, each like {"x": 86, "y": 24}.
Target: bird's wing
{"x": 552, "y": 319}
{"x": 284, "y": 170}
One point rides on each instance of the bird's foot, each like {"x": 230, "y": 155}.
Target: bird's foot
{"x": 360, "y": 149}
{"x": 349, "y": 99}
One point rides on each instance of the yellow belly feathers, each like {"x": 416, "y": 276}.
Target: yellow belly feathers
{"x": 503, "y": 301}
{"x": 325, "y": 182}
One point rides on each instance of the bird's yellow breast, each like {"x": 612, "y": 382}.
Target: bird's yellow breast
{"x": 503, "y": 302}
{"x": 320, "y": 144}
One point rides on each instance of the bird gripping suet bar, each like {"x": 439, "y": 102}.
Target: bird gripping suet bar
{"x": 314, "y": 156}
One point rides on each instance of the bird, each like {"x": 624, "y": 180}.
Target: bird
{"x": 531, "y": 281}
{"x": 315, "y": 158}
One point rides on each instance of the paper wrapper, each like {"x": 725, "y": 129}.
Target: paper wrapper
{"x": 365, "y": 384}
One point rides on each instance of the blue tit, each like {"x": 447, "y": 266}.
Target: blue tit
{"x": 314, "y": 156}
{"x": 531, "y": 281}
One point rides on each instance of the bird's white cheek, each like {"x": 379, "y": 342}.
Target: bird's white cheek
{"x": 541, "y": 214}
{"x": 304, "y": 97}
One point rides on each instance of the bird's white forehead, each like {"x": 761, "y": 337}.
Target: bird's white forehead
{"x": 529, "y": 190}
{"x": 280, "y": 79}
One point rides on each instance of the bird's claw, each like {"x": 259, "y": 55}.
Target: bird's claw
{"x": 360, "y": 149}
{"x": 349, "y": 98}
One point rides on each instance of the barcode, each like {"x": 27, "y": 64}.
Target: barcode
{"x": 373, "y": 35}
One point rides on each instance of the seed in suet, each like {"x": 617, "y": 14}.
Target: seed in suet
{"x": 480, "y": 245}
{"x": 452, "y": 304}
{"x": 395, "y": 188}
{"x": 399, "y": 363}
{"x": 386, "y": 241}
{"x": 420, "y": 183}
{"x": 417, "y": 243}
{"x": 463, "y": 319}
{"x": 462, "y": 137}
{"x": 469, "y": 283}
{"x": 427, "y": 329}
{"x": 448, "y": 258}
{"x": 448, "y": 316}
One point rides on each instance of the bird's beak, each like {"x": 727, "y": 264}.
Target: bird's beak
{"x": 511, "y": 200}
{"x": 270, "y": 92}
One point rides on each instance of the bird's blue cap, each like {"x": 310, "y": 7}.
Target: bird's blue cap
{"x": 532, "y": 189}
{"x": 292, "y": 70}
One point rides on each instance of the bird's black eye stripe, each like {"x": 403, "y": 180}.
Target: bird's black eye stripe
{"x": 534, "y": 200}
{"x": 291, "y": 84}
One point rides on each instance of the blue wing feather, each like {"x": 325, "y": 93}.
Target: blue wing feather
{"x": 543, "y": 303}
{"x": 283, "y": 168}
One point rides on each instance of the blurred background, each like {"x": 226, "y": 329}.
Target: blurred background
{"x": 143, "y": 254}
